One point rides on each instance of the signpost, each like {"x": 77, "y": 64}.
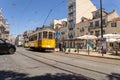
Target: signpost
{"x": 57, "y": 34}
{"x": 58, "y": 41}
{"x": 102, "y": 45}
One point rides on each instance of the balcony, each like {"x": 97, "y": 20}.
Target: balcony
{"x": 62, "y": 33}
{"x": 6, "y": 32}
{"x": 70, "y": 20}
{"x": 70, "y": 28}
{"x": 91, "y": 27}
{"x": 96, "y": 27}
{"x": 70, "y": 12}
{"x": 2, "y": 24}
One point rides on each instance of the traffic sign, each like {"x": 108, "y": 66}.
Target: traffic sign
{"x": 57, "y": 34}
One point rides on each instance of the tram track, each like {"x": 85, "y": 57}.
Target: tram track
{"x": 76, "y": 57}
{"x": 70, "y": 64}
{"x": 55, "y": 53}
{"x": 62, "y": 63}
{"x": 36, "y": 58}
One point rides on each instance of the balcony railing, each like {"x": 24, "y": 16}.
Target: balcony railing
{"x": 2, "y": 24}
{"x": 95, "y": 27}
{"x": 70, "y": 28}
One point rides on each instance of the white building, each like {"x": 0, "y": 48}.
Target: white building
{"x": 57, "y": 21}
{"x": 4, "y": 27}
{"x": 76, "y": 10}
{"x": 19, "y": 41}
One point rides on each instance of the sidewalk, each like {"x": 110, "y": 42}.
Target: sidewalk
{"x": 93, "y": 54}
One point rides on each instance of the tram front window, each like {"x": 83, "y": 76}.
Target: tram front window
{"x": 45, "y": 34}
{"x": 50, "y": 35}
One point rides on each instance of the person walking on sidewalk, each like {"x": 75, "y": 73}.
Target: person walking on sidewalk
{"x": 103, "y": 50}
{"x": 64, "y": 47}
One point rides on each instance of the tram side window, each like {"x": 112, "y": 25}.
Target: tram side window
{"x": 40, "y": 35}
{"x": 30, "y": 38}
{"x": 35, "y": 37}
{"x": 50, "y": 35}
{"x": 45, "y": 34}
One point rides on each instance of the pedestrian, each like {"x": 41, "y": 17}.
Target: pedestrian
{"x": 103, "y": 50}
{"x": 64, "y": 47}
{"x": 95, "y": 48}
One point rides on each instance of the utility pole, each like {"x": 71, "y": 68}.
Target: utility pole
{"x": 101, "y": 19}
{"x": 101, "y": 24}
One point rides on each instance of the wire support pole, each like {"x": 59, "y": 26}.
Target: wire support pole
{"x": 101, "y": 19}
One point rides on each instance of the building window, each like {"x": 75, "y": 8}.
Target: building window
{"x": 82, "y": 29}
{"x": 62, "y": 33}
{"x": 45, "y": 34}
{"x": 71, "y": 28}
{"x": 97, "y": 15}
{"x": 111, "y": 44}
{"x": 96, "y": 23}
{"x": 50, "y": 35}
{"x": 40, "y": 35}
{"x": 114, "y": 33}
{"x": 113, "y": 24}
{"x": 91, "y": 24}
{"x": 91, "y": 32}
{"x": 103, "y": 21}
{"x": 97, "y": 33}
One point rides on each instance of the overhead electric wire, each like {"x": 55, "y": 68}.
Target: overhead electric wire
{"x": 47, "y": 17}
{"x": 51, "y": 11}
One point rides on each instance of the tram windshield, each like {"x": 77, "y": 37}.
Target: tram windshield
{"x": 49, "y": 35}
{"x": 45, "y": 34}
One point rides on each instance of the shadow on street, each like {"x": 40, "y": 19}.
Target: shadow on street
{"x": 37, "y": 50}
{"x": 114, "y": 76}
{"x": 11, "y": 75}
{"x": 5, "y": 54}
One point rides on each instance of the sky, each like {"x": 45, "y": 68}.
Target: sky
{"x": 25, "y": 15}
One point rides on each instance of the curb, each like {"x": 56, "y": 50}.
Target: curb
{"x": 99, "y": 56}
{"x": 90, "y": 55}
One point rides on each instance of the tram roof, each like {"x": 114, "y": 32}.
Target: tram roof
{"x": 43, "y": 29}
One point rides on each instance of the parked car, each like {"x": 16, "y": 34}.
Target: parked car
{"x": 6, "y": 47}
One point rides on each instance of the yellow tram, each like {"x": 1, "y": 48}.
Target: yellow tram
{"x": 44, "y": 39}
